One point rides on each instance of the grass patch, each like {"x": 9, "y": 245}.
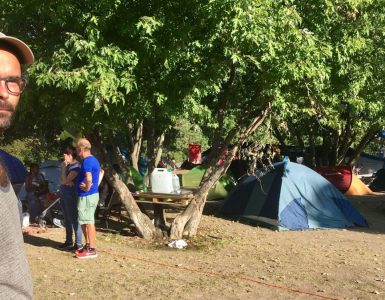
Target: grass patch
{"x": 207, "y": 243}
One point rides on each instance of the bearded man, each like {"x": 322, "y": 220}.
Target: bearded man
{"x": 15, "y": 277}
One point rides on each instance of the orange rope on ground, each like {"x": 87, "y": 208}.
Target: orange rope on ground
{"x": 225, "y": 276}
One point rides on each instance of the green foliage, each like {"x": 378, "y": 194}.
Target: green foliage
{"x": 217, "y": 63}
{"x": 32, "y": 149}
{"x": 182, "y": 134}
{"x": 347, "y": 105}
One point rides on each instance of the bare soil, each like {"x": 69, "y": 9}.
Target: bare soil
{"x": 227, "y": 260}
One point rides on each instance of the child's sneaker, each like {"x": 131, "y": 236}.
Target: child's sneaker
{"x": 90, "y": 253}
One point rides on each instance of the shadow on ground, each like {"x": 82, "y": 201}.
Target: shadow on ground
{"x": 40, "y": 241}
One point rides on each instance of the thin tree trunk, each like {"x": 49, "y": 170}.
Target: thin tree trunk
{"x": 151, "y": 146}
{"x": 297, "y": 134}
{"x": 221, "y": 112}
{"x": 312, "y": 151}
{"x": 334, "y": 144}
{"x": 159, "y": 148}
{"x": 136, "y": 145}
{"x": 367, "y": 138}
{"x": 345, "y": 147}
{"x": 186, "y": 223}
{"x": 345, "y": 138}
{"x": 326, "y": 136}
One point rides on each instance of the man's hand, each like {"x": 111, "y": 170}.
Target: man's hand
{"x": 83, "y": 187}
{"x": 86, "y": 186}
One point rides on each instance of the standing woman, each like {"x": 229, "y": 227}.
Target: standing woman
{"x": 69, "y": 199}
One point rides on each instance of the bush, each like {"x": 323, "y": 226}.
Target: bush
{"x": 31, "y": 149}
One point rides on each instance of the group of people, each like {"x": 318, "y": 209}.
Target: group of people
{"x": 79, "y": 198}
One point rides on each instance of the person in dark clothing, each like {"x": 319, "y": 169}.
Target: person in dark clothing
{"x": 69, "y": 199}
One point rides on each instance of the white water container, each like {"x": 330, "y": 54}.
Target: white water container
{"x": 175, "y": 183}
{"x": 161, "y": 181}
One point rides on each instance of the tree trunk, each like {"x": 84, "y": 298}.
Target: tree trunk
{"x": 279, "y": 136}
{"x": 136, "y": 145}
{"x": 345, "y": 147}
{"x": 367, "y": 138}
{"x": 334, "y": 144}
{"x": 297, "y": 134}
{"x": 312, "y": 151}
{"x": 151, "y": 144}
{"x": 345, "y": 139}
{"x": 142, "y": 222}
{"x": 186, "y": 223}
{"x": 159, "y": 148}
{"x": 223, "y": 97}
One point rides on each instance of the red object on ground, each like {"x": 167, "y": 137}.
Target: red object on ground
{"x": 339, "y": 176}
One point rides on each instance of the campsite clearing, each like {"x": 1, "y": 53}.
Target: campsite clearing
{"x": 227, "y": 260}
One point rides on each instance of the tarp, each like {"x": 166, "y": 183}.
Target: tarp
{"x": 221, "y": 190}
{"x": 369, "y": 164}
{"x": 51, "y": 170}
{"x": 291, "y": 196}
{"x": 15, "y": 168}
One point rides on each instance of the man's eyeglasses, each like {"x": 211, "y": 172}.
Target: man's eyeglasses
{"x": 15, "y": 85}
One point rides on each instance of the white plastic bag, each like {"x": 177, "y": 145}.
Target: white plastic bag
{"x": 25, "y": 219}
{"x": 178, "y": 244}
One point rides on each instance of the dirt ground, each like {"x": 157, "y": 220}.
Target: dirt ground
{"x": 227, "y": 260}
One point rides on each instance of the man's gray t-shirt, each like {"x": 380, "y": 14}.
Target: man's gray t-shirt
{"x": 15, "y": 277}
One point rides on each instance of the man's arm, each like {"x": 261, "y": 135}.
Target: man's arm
{"x": 86, "y": 185}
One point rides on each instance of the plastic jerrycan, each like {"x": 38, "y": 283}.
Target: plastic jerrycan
{"x": 176, "y": 183}
{"x": 161, "y": 181}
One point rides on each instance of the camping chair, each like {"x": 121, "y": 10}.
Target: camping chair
{"x": 114, "y": 204}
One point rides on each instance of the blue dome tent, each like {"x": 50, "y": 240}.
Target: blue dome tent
{"x": 291, "y": 196}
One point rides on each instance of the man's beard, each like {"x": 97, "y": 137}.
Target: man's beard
{"x": 6, "y": 117}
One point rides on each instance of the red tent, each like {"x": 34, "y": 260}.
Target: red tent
{"x": 339, "y": 176}
{"x": 343, "y": 179}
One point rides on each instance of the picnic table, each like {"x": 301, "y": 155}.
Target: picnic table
{"x": 161, "y": 200}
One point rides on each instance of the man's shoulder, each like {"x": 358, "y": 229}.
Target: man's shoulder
{"x": 91, "y": 161}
